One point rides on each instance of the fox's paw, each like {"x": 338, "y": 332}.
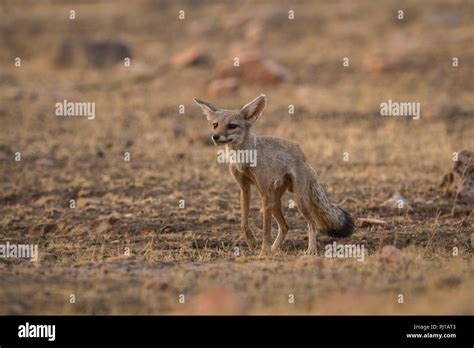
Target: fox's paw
{"x": 251, "y": 242}
{"x": 311, "y": 251}
{"x": 249, "y": 237}
{"x": 266, "y": 251}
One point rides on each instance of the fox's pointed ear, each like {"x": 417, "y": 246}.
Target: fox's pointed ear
{"x": 206, "y": 107}
{"x": 254, "y": 109}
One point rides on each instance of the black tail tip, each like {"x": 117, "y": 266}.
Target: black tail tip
{"x": 344, "y": 230}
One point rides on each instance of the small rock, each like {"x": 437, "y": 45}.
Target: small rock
{"x": 273, "y": 16}
{"x": 254, "y": 31}
{"x": 120, "y": 258}
{"x": 113, "y": 218}
{"x": 82, "y": 202}
{"x": 449, "y": 281}
{"x": 43, "y": 200}
{"x": 199, "y": 27}
{"x": 46, "y": 161}
{"x": 155, "y": 284}
{"x": 374, "y": 63}
{"x": 103, "y": 226}
{"x": 363, "y": 222}
{"x": 379, "y": 63}
{"x": 223, "y": 87}
{"x": 100, "y": 153}
{"x": 105, "y": 53}
{"x": 396, "y": 202}
{"x": 190, "y": 57}
{"x": 217, "y": 301}
{"x": 236, "y": 21}
{"x": 16, "y": 309}
{"x": 390, "y": 253}
{"x": 309, "y": 261}
{"x": 14, "y": 93}
{"x": 97, "y": 53}
{"x": 179, "y": 130}
{"x": 48, "y": 257}
{"x": 6, "y": 153}
{"x": 171, "y": 229}
{"x": 84, "y": 192}
{"x": 254, "y": 68}
{"x": 419, "y": 200}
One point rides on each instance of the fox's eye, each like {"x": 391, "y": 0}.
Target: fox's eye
{"x": 232, "y": 126}
{"x": 215, "y": 124}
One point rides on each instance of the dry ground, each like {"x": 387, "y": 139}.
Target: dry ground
{"x": 191, "y": 250}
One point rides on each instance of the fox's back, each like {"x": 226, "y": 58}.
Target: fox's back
{"x": 277, "y": 157}
{"x": 282, "y": 151}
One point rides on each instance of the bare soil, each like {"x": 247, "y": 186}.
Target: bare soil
{"x": 136, "y": 205}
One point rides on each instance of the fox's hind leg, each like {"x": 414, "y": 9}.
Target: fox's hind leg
{"x": 279, "y": 189}
{"x": 282, "y": 228}
{"x": 304, "y": 206}
{"x": 311, "y": 240}
{"x": 267, "y": 224}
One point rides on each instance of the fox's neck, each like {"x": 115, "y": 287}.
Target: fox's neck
{"x": 249, "y": 142}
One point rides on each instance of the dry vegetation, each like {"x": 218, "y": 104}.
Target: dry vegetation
{"x": 191, "y": 251}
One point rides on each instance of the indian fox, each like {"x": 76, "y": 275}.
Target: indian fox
{"x": 281, "y": 167}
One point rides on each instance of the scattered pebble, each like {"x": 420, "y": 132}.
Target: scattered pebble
{"x": 390, "y": 253}
{"x": 396, "y": 202}
{"x": 190, "y": 57}
{"x": 223, "y": 87}
{"x": 254, "y": 68}
{"x": 217, "y": 301}
{"x": 47, "y": 257}
{"x": 449, "y": 281}
{"x": 82, "y": 202}
{"x": 121, "y": 258}
{"x": 309, "y": 261}
{"x": 365, "y": 222}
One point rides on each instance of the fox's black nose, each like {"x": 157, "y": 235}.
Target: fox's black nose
{"x": 215, "y": 137}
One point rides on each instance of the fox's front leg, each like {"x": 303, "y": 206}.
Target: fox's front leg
{"x": 267, "y": 225}
{"x": 244, "y": 211}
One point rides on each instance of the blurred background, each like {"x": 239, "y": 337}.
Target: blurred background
{"x": 142, "y": 62}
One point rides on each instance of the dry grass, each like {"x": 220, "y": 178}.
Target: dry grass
{"x": 191, "y": 251}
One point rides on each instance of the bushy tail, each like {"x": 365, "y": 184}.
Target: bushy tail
{"x": 329, "y": 218}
